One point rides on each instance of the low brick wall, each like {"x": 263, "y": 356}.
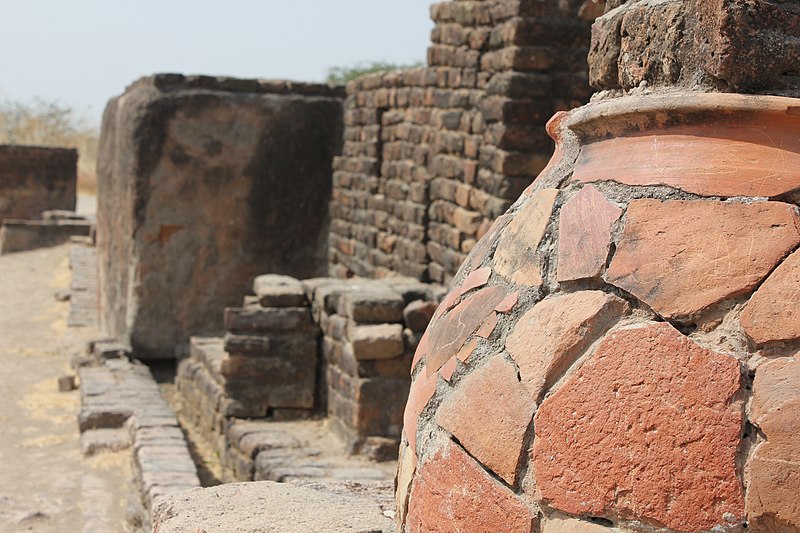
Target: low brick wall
{"x": 34, "y": 179}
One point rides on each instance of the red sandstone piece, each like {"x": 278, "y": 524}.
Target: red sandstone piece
{"x": 554, "y": 333}
{"x": 515, "y": 258}
{"x": 488, "y": 326}
{"x": 422, "y": 390}
{"x": 773, "y": 312}
{"x": 507, "y": 305}
{"x": 584, "y": 234}
{"x": 452, "y": 493}
{"x": 681, "y": 257}
{"x": 449, "y": 333}
{"x": 773, "y": 471}
{"x": 489, "y": 413}
{"x": 475, "y": 279}
{"x": 422, "y": 349}
{"x": 750, "y": 148}
{"x": 448, "y": 368}
{"x": 466, "y": 351}
{"x": 647, "y": 428}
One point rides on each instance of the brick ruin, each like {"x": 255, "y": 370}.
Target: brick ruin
{"x": 35, "y": 179}
{"x": 204, "y": 183}
{"x": 433, "y": 155}
{"x": 580, "y": 301}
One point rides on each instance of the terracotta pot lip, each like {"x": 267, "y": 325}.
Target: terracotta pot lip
{"x": 633, "y": 113}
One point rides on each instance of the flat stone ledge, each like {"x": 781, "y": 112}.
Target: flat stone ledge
{"x": 294, "y": 507}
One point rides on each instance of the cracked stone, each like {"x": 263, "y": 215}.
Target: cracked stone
{"x": 584, "y": 235}
{"x": 680, "y": 257}
{"x": 452, "y": 492}
{"x": 554, "y": 333}
{"x": 773, "y": 313}
{"x": 489, "y": 413}
{"x": 647, "y": 428}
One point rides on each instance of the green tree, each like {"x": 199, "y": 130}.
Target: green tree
{"x": 51, "y": 123}
{"x": 351, "y": 72}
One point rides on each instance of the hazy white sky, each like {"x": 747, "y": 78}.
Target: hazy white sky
{"x": 82, "y": 52}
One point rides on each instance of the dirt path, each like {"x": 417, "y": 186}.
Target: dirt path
{"x": 45, "y": 483}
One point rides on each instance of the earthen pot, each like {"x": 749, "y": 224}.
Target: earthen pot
{"x": 620, "y": 351}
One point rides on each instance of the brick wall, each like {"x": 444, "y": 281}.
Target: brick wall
{"x": 34, "y": 179}
{"x": 433, "y": 155}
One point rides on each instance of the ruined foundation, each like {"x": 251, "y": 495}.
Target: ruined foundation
{"x": 203, "y": 184}
{"x": 35, "y": 179}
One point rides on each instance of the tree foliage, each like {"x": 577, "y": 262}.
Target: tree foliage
{"x": 51, "y": 123}
{"x": 346, "y": 73}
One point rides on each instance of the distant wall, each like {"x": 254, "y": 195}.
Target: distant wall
{"x": 204, "y": 183}
{"x": 433, "y": 155}
{"x": 34, "y": 179}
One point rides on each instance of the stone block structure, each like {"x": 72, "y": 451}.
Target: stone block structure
{"x": 433, "y": 155}
{"x": 323, "y": 348}
{"x": 34, "y": 179}
{"x": 203, "y": 183}
{"x": 620, "y": 351}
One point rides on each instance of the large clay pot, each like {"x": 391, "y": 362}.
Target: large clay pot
{"x": 621, "y": 349}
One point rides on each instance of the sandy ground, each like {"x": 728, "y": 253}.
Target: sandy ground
{"x": 45, "y": 482}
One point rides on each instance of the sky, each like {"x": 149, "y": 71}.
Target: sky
{"x": 83, "y": 52}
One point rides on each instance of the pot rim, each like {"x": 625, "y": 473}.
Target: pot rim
{"x": 634, "y": 113}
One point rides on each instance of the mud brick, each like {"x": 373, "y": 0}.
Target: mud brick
{"x": 279, "y": 291}
{"x": 380, "y": 341}
{"x": 372, "y": 305}
{"x": 251, "y": 345}
{"x": 238, "y": 320}
{"x": 418, "y": 314}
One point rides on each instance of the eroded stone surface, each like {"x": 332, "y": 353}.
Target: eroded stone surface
{"x": 489, "y": 413}
{"x": 774, "y": 470}
{"x": 449, "y": 333}
{"x": 584, "y": 234}
{"x": 422, "y": 389}
{"x": 515, "y": 257}
{"x": 552, "y": 335}
{"x": 452, "y": 493}
{"x": 680, "y": 257}
{"x": 561, "y": 524}
{"x": 646, "y": 429}
{"x": 773, "y": 312}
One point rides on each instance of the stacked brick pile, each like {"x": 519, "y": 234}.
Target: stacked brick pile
{"x": 622, "y": 350}
{"x": 266, "y": 365}
{"x": 433, "y": 155}
{"x": 370, "y": 330}
{"x": 271, "y": 367}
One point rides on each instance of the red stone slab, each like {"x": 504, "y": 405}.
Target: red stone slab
{"x": 774, "y": 468}
{"x": 647, "y": 428}
{"x": 449, "y": 333}
{"x": 554, "y": 333}
{"x": 680, "y": 257}
{"x": 489, "y": 413}
{"x": 515, "y": 257}
{"x": 584, "y": 234}
{"x": 452, "y": 493}
{"x": 773, "y": 312}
